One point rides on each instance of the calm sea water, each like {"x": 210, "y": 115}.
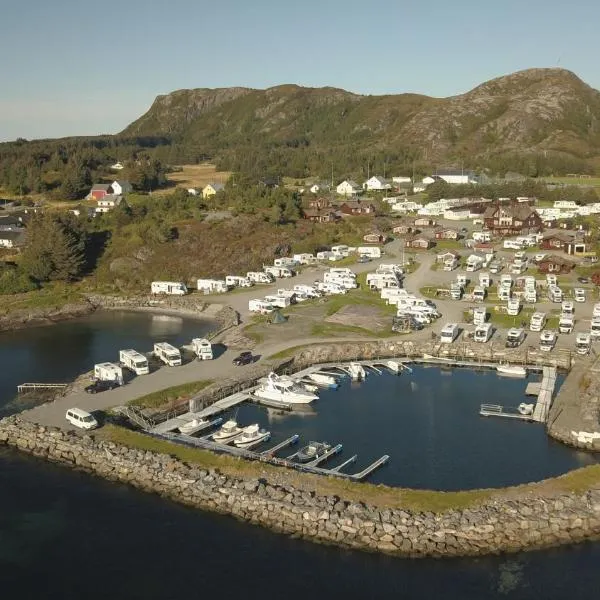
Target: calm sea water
{"x": 428, "y": 422}
{"x": 58, "y": 353}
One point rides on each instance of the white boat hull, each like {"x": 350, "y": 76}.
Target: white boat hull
{"x": 244, "y": 442}
{"x": 324, "y": 379}
{"x": 511, "y": 371}
{"x": 292, "y": 398}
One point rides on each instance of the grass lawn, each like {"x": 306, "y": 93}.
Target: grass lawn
{"x": 49, "y": 297}
{"x": 593, "y": 181}
{"x": 168, "y": 395}
{"x": 379, "y": 495}
{"x": 448, "y": 245}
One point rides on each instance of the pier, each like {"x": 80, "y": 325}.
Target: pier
{"x": 496, "y": 410}
{"x": 32, "y": 387}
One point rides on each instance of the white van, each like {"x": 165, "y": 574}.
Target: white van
{"x": 81, "y": 418}
{"x": 449, "y": 333}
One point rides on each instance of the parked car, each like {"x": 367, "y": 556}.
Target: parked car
{"x": 244, "y": 358}
{"x": 583, "y": 279}
{"x": 101, "y": 386}
{"x": 364, "y": 259}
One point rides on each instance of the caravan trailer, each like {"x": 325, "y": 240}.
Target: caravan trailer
{"x": 108, "y": 372}
{"x": 278, "y": 271}
{"x": 202, "y": 348}
{"x": 237, "y": 281}
{"x": 212, "y": 286}
{"x": 370, "y": 251}
{"x": 260, "y": 306}
{"x": 260, "y": 277}
{"x": 171, "y": 288}
{"x": 134, "y": 361}
{"x": 168, "y": 354}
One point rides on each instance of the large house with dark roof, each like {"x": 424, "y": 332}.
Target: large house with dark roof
{"x": 512, "y": 219}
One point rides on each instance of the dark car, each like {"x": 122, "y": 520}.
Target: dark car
{"x": 101, "y": 386}
{"x": 583, "y": 279}
{"x": 243, "y": 359}
{"x": 363, "y": 259}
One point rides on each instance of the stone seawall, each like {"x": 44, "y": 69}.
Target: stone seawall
{"x": 516, "y": 522}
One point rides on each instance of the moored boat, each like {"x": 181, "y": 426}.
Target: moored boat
{"x": 322, "y": 379}
{"x": 251, "y": 435}
{"x": 357, "y": 371}
{"x": 525, "y": 409}
{"x": 285, "y": 390}
{"x": 394, "y": 366}
{"x": 312, "y": 451}
{"x": 227, "y": 431}
{"x": 511, "y": 370}
{"x": 193, "y": 426}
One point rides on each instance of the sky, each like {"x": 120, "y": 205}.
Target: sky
{"x": 82, "y": 67}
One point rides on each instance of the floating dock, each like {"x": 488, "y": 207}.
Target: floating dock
{"x": 289, "y": 442}
{"x": 496, "y": 410}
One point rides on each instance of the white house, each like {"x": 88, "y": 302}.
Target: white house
{"x": 376, "y": 183}
{"x": 348, "y": 188}
{"x": 108, "y": 203}
{"x": 457, "y": 176}
{"x": 319, "y": 188}
{"x": 401, "y": 179}
{"x": 210, "y": 189}
{"x": 120, "y": 187}
{"x": 457, "y": 215}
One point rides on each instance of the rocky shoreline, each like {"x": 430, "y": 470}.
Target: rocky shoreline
{"x": 36, "y": 317}
{"x": 530, "y": 520}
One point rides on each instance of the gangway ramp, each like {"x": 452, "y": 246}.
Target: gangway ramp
{"x": 223, "y": 405}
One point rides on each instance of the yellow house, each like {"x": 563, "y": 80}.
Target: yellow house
{"x": 211, "y": 189}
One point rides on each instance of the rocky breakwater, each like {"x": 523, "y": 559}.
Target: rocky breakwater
{"x": 516, "y": 522}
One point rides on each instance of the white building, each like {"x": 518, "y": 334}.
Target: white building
{"x": 401, "y": 179}
{"x": 457, "y": 176}
{"x": 565, "y": 204}
{"x": 120, "y": 187}
{"x": 319, "y": 188}
{"x": 348, "y": 188}
{"x": 376, "y": 183}
{"x": 108, "y": 203}
{"x": 406, "y": 206}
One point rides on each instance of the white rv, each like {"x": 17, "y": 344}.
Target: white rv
{"x": 568, "y": 308}
{"x": 479, "y": 294}
{"x": 513, "y": 307}
{"x": 450, "y": 264}
{"x": 134, "y": 361}
{"x": 308, "y": 290}
{"x": 547, "y": 340}
{"x": 583, "y": 343}
{"x": 331, "y": 288}
{"x": 285, "y": 261}
{"x": 278, "y": 301}
{"x": 108, "y": 372}
{"x": 170, "y": 288}
{"x": 483, "y": 333}
{"x": 484, "y": 280}
{"x": 279, "y": 271}
{"x": 260, "y": 306}
{"x": 237, "y": 281}
{"x": 555, "y": 294}
{"x": 304, "y": 259}
{"x": 212, "y": 286}
{"x": 341, "y": 249}
{"x": 260, "y": 277}
{"x": 538, "y": 321}
{"x": 595, "y": 327}
{"x": 479, "y": 315}
{"x": 449, "y": 333}
{"x": 202, "y": 348}
{"x": 168, "y": 354}
{"x": 342, "y": 271}
{"x": 566, "y": 323}
{"x": 370, "y": 251}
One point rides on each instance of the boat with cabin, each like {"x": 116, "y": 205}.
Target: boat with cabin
{"x": 229, "y": 430}
{"x": 193, "y": 426}
{"x": 251, "y": 435}
{"x": 280, "y": 388}
{"x": 324, "y": 380}
{"x": 511, "y": 370}
{"x": 312, "y": 451}
{"x": 357, "y": 371}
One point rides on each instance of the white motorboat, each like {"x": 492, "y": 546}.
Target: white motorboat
{"x": 192, "y": 426}
{"x": 285, "y": 390}
{"x": 511, "y": 370}
{"x": 227, "y": 431}
{"x": 310, "y": 387}
{"x": 311, "y": 451}
{"x": 394, "y": 366}
{"x": 323, "y": 379}
{"x": 357, "y": 372}
{"x": 251, "y": 435}
{"x": 525, "y": 409}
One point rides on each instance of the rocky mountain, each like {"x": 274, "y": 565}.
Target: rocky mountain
{"x": 537, "y": 111}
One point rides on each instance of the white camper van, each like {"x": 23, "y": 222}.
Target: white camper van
{"x": 134, "y": 361}
{"x": 260, "y": 306}
{"x": 171, "y": 288}
{"x": 168, "y": 354}
{"x": 108, "y": 372}
{"x": 202, "y": 348}
{"x": 212, "y": 286}
{"x": 260, "y": 277}
{"x": 538, "y": 321}
{"x": 278, "y": 301}
{"x": 237, "y": 281}
{"x": 449, "y": 333}
{"x": 81, "y": 418}
{"x": 279, "y": 271}
{"x": 483, "y": 333}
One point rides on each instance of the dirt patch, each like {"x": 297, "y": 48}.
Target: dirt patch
{"x": 359, "y": 315}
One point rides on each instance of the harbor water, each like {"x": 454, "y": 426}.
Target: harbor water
{"x": 59, "y": 353}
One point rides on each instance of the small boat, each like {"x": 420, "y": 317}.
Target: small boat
{"x": 310, "y": 387}
{"x": 312, "y": 451}
{"x": 323, "y": 379}
{"x": 192, "y": 426}
{"x": 394, "y": 366}
{"x": 251, "y": 435}
{"x": 357, "y": 372}
{"x": 525, "y": 409}
{"x": 511, "y": 370}
{"x": 227, "y": 431}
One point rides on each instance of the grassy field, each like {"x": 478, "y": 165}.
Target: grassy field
{"x": 380, "y": 495}
{"x": 197, "y": 176}
{"x": 171, "y": 394}
{"x": 592, "y": 181}
{"x": 50, "y": 297}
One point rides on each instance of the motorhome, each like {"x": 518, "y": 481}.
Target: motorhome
{"x": 530, "y": 296}
{"x": 595, "y": 327}
{"x": 370, "y": 251}
{"x": 514, "y": 337}
{"x": 341, "y": 249}
{"x": 450, "y": 264}
{"x": 484, "y": 280}
{"x": 389, "y": 293}
{"x": 168, "y": 354}
{"x": 513, "y": 307}
{"x": 449, "y": 333}
{"x": 583, "y": 343}
{"x": 171, "y": 288}
{"x": 518, "y": 268}
{"x": 260, "y": 277}
{"x": 284, "y": 261}
{"x": 390, "y": 268}
{"x": 483, "y": 333}
{"x": 474, "y": 263}
{"x": 342, "y": 271}
{"x": 596, "y": 310}
{"x": 287, "y": 293}
{"x": 479, "y": 315}
{"x": 308, "y": 290}
{"x": 456, "y": 291}
{"x": 506, "y": 280}
{"x": 547, "y": 340}
{"x": 579, "y": 294}
{"x": 512, "y": 245}
{"x": 108, "y": 372}
{"x": 202, "y": 348}
{"x": 462, "y": 280}
{"x": 555, "y": 294}
{"x": 568, "y": 308}
{"x": 482, "y": 236}
{"x": 305, "y": 258}
{"x": 260, "y": 306}
{"x": 378, "y": 281}
{"x": 344, "y": 280}
{"x": 331, "y": 288}
{"x": 324, "y": 255}
{"x": 238, "y": 281}
{"x": 479, "y": 294}
{"x": 504, "y": 293}
{"x": 566, "y": 323}
{"x": 212, "y": 286}
{"x": 282, "y": 272}
{"x": 495, "y": 267}
{"x": 538, "y": 321}
{"x": 279, "y": 301}
{"x": 134, "y": 361}
{"x": 551, "y": 279}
